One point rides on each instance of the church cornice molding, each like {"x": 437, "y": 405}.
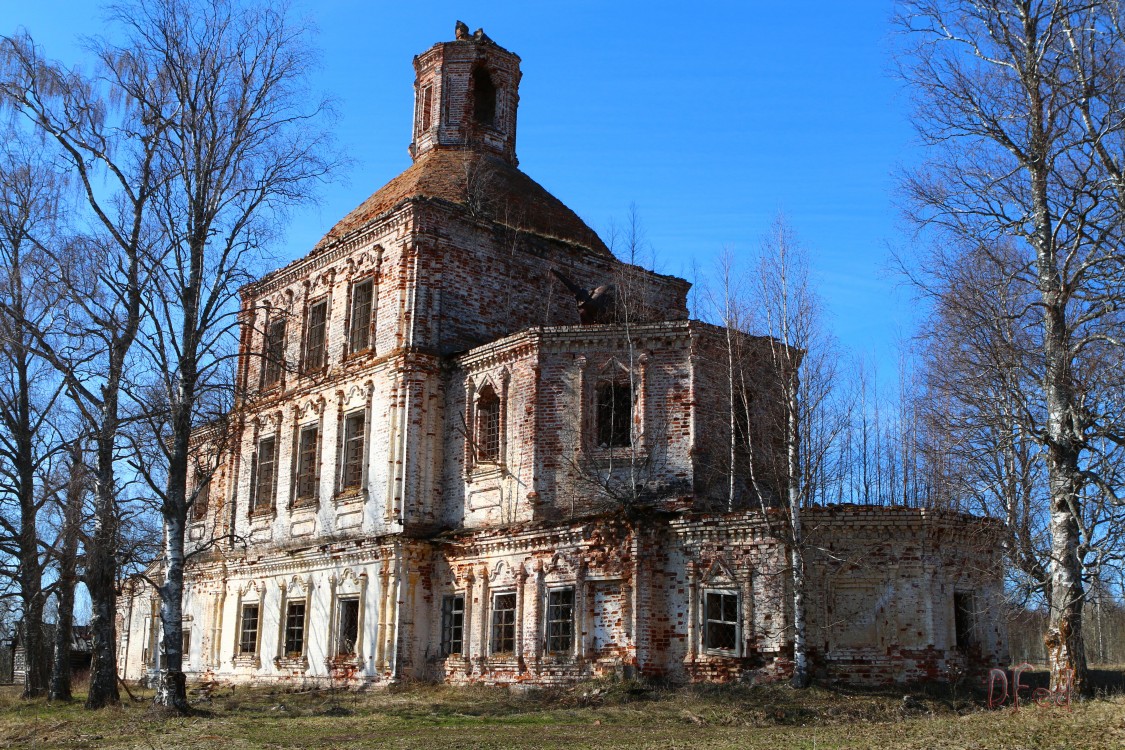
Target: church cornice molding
{"x": 372, "y": 232}
{"x": 398, "y": 361}
{"x": 385, "y": 550}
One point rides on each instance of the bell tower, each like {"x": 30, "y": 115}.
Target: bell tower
{"x": 465, "y": 96}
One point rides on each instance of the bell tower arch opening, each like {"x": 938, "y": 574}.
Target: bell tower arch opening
{"x": 484, "y": 97}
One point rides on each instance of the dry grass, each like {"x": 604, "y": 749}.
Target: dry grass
{"x": 599, "y": 715}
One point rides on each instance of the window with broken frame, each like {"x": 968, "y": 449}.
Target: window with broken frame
{"x": 307, "y": 463}
{"x": 295, "y": 629}
{"x": 721, "y": 621}
{"x": 273, "y": 353}
{"x": 347, "y": 627}
{"x": 248, "y": 630}
{"x": 613, "y": 414}
{"x": 559, "y": 622}
{"x": 361, "y": 318}
{"x": 452, "y": 624}
{"x": 263, "y": 471}
{"x": 488, "y": 432}
{"x": 353, "y": 456}
{"x": 503, "y": 623}
{"x": 316, "y": 336}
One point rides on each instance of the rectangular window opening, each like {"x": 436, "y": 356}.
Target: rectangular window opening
{"x": 452, "y": 625}
{"x": 488, "y": 426}
{"x": 359, "y": 335}
{"x": 273, "y": 354}
{"x": 295, "y": 629}
{"x": 560, "y": 621}
{"x": 720, "y": 614}
{"x": 963, "y": 617}
{"x": 248, "y": 630}
{"x": 307, "y": 465}
{"x": 614, "y": 414}
{"x": 202, "y": 495}
{"x": 503, "y": 623}
{"x": 352, "y": 474}
{"x": 315, "y": 338}
{"x": 427, "y": 107}
{"x": 266, "y": 468}
{"x": 347, "y": 621}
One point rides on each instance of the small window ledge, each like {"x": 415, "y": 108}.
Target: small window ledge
{"x": 247, "y": 661}
{"x": 484, "y": 471}
{"x": 292, "y": 663}
{"x": 351, "y": 495}
{"x": 305, "y": 505}
{"x": 618, "y": 457}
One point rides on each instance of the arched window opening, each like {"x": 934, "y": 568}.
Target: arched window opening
{"x": 484, "y": 98}
{"x": 488, "y": 425}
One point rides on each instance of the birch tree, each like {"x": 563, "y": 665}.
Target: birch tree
{"x": 805, "y": 361}
{"x": 1018, "y": 102}
{"x": 775, "y": 299}
{"x": 240, "y": 140}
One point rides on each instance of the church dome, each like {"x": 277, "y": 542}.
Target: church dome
{"x": 466, "y": 96}
{"x": 486, "y": 186}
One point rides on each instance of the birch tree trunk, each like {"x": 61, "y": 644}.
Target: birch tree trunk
{"x": 239, "y": 143}
{"x": 796, "y": 546}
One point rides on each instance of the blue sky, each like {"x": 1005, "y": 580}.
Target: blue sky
{"x": 711, "y": 118}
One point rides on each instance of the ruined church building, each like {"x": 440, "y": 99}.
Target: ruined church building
{"x": 443, "y": 468}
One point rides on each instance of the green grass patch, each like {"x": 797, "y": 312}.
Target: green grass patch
{"x": 592, "y": 715}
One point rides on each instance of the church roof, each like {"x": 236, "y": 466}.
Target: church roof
{"x": 487, "y": 186}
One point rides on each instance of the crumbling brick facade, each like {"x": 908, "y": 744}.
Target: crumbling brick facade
{"x": 435, "y": 472}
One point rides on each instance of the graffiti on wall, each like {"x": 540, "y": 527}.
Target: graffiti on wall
{"x": 1001, "y": 691}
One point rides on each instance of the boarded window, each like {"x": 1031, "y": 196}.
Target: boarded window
{"x": 488, "y": 426}
{"x": 347, "y": 621}
{"x": 560, "y": 621}
{"x": 614, "y": 414}
{"x": 503, "y": 623}
{"x": 273, "y": 354}
{"x": 315, "y": 338}
{"x": 484, "y": 97}
{"x": 452, "y": 625}
{"x": 352, "y": 470}
{"x": 855, "y": 615}
{"x": 307, "y": 465}
{"x": 359, "y": 336}
{"x": 294, "y": 629}
{"x": 427, "y": 106}
{"x": 266, "y": 471}
{"x": 248, "y": 630}
{"x": 186, "y": 644}
{"x": 720, "y": 621}
{"x": 202, "y": 495}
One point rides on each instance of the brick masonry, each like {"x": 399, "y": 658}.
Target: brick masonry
{"x": 627, "y": 542}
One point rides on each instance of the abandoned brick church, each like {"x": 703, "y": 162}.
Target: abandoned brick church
{"x": 443, "y": 468}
